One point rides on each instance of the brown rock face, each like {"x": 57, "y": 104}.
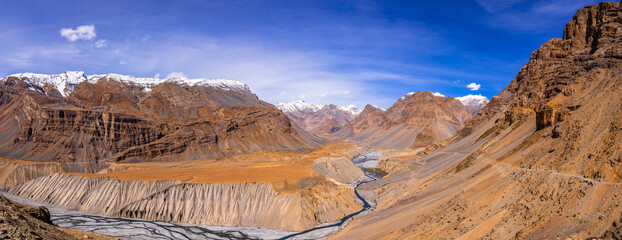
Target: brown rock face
{"x": 541, "y": 161}
{"x": 115, "y": 120}
{"x": 571, "y": 86}
{"x": 370, "y": 116}
{"x": 416, "y": 120}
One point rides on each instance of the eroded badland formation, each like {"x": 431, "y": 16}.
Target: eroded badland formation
{"x": 541, "y": 160}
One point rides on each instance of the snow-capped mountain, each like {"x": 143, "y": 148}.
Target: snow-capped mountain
{"x": 474, "y": 103}
{"x": 65, "y": 82}
{"x": 299, "y": 106}
{"x": 305, "y": 107}
{"x": 318, "y": 119}
{"x": 351, "y": 109}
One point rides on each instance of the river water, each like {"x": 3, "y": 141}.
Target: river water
{"x": 126, "y": 228}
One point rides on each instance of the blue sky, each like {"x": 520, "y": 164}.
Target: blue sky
{"x": 342, "y": 52}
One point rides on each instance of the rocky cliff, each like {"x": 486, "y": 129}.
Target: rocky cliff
{"x": 415, "y": 120}
{"x": 540, "y": 161}
{"x": 91, "y": 120}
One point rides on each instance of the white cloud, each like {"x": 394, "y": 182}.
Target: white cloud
{"x": 157, "y": 75}
{"x": 101, "y": 43}
{"x": 176, "y": 75}
{"x": 474, "y": 86}
{"x": 122, "y": 62}
{"x": 438, "y": 94}
{"x": 283, "y": 93}
{"x": 146, "y": 37}
{"x": 346, "y": 92}
{"x": 84, "y": 32}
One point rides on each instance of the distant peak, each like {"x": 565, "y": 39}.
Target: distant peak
{"x": 351, "y": 109}
{"x": 474, "y": 103}
{"x": 436, "y": 94}
{"x": 301, "y": 106}
{"x": 298, "y": 106}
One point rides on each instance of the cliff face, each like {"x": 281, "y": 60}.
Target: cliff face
{"x": 221, "y": 204}
{"x": 415, "y": 120}
{"x": 116, "y": 118}
{"x": 542, "y": 160}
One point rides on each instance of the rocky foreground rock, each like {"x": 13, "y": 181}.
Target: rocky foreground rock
{"x": 19, "y": 221}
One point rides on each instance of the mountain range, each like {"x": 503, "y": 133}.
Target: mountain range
{"x": 91, "y": 120}
{"x": 415, "y": 120}
{"x": 541, "y": 160}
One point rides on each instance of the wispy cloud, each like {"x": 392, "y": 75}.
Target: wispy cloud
{"x": 532, "y": 16}
{"x": 101, "y": 43}
{"x": 176, "y": 75}
{"x": 85, "y": 32}
{"x": 473, "y": 86}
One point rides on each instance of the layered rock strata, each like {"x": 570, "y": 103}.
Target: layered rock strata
{"x": 114, "y": 118}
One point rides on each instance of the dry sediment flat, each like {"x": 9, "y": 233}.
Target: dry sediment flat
{"x": 284, "y": 170}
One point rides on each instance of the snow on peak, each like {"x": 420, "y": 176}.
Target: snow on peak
{"x": 471, "y": 99}
{"x": 407, "y": 94}
{"x": 302, "y": 106}
{"x": 351, "y": 109}
{"x": 438, "y": 94}
{"x": 298, "y": 106}
{"x": 65, "y": 82}
{"x": 226, "y": 84}
{"x": 474, "y": 103}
